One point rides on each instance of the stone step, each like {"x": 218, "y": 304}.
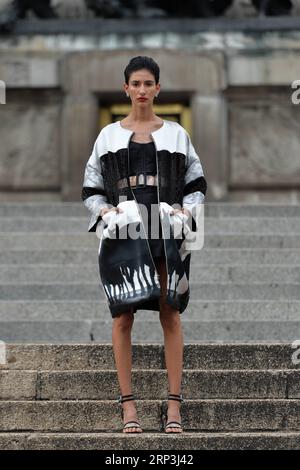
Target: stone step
{"x": 103, "y": 384}
{"x": 212, "y": 310}
{"x": 205, "y": 291}
{"x": 95, "y": 356}
{"x": 212, "y": 225}
{"x": 212, "y": 209}
{"x": 263, "y": 440}
{"x": 197, "y": 415}
{"x": 194, "y": 331}
{"x": 79, "y": 241}
{"x": 69, "y": 274}
{"x": 222, "y": 256}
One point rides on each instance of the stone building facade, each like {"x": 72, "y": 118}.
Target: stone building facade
{"x": 232, "y": 87}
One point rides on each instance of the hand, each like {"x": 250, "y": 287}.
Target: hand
{"x": 186, "y": 212}
{"x": 105, "y": 210}
{"x": 183, "y": 210}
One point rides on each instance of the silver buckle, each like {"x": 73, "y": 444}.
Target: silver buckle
{"x": 144, "y": 178}
{"x": 140, "y": 179}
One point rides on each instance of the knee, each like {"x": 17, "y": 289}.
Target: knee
{"x": 169, "y": 318}
{"x": 124, "y": 321}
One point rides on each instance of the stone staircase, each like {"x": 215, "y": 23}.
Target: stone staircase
{"x": 58, "y": 383}
{"x": 237, "y": 396}
{"x": 244, "y": 282}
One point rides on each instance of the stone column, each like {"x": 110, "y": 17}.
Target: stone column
{"x": 80, "y": 122}
{"x": 79, "y": 131}
{"x": 210, "y": 133}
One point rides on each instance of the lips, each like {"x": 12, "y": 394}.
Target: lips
{"x": 142, "y": 99}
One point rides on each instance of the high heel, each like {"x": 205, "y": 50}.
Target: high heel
{"x": 129, "y": 424}
{"x": 173, "y": 424}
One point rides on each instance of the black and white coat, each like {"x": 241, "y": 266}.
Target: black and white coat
{"x": 128, "y": 274}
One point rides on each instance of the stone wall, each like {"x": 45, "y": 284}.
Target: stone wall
{"x": 30, "y": 141}
{"x": 244, "y": 124}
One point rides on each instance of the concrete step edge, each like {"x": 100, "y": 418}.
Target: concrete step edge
{"x": 188, "y": 440}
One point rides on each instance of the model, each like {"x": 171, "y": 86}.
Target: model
{"x": 143, "y": 178}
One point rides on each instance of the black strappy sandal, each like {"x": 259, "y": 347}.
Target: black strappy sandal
{"x": 173, "y": 424}
{"x": 129, "y": 424}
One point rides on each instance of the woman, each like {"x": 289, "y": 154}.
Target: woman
{"x": 157, "y": 169}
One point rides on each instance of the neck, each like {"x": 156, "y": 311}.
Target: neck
{"x": 141, "y": 115}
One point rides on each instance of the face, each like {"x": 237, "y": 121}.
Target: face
{"x": 142, "y": 85}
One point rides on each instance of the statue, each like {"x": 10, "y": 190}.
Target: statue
{"x": 211, "y": 8}
{"x": 273, "y": 7}
{"x": 126, "y": 8}
{"x": 8, "y": 18}
{"x": 195, "y": 8}
{"x": 139, "y": 9}
{"x": 18, "y": 9}
{"x": 112, "y": 8}
{"x": 157, "y": 8}
{"x": 41, "y": 8}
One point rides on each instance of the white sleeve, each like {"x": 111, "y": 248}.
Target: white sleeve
{"x": 195, "y": 182}
{"x": 93, "y": 192}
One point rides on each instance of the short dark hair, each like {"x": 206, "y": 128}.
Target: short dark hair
{"x": 141, "y": 62}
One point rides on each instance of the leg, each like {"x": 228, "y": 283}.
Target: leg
{"x": 121, "y": 339}
{"x": 173, "y": 342}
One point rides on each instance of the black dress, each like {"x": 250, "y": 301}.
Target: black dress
{"x": 142, "y": 158}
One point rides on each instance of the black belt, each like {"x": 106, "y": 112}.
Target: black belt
{"x": 139, "y": 180}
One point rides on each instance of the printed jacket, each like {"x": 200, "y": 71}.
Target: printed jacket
{"x": 128, "y": 274}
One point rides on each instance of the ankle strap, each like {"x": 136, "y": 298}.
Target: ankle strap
{"x": 173, "y": 396}
{"x": 123, "y": 398}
